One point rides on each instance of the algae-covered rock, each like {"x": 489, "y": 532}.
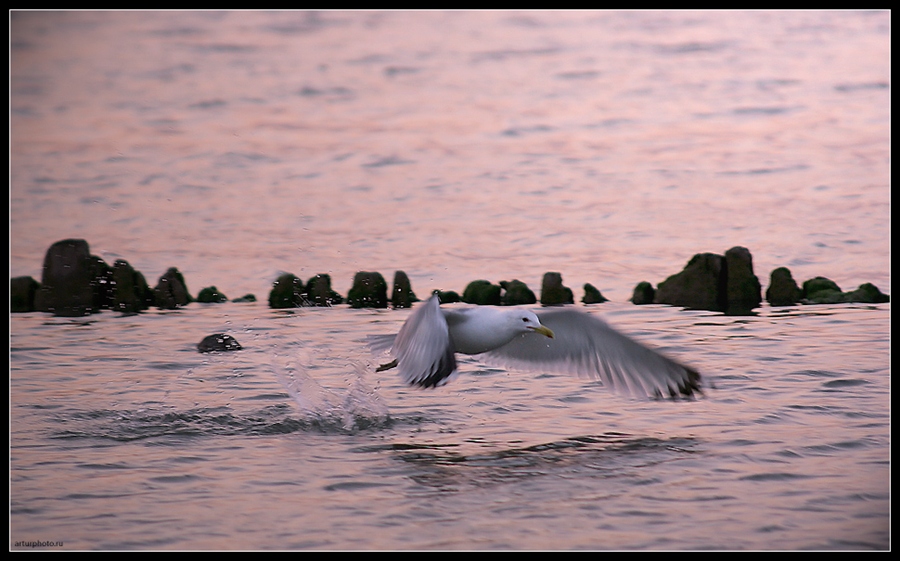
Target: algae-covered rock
{"x": 402, "y": 296}
{"x": 369, "y": 290}
{"x": 22, "y": 291}
{"x": 483, "y": 293}
{"x": 516, "y": 293}
{"x": 821, "y": 290}
{"x": 867, "y": 293}
{"x": 553, "y": 293}
{"x": 592, "y": 295}
{"x": 218, "y": 342}
{"x": 701, "y": 285}
{"x": 171, "y": 291}
{"x": 783, "y": 289}
{"x": 287, "y": 292}
{"x": 211, "y": 295}
{"x": 643, "y": 293}
{"x": 73, "y": 283}
{"x": 320, "y": 293}
{"x": 448, "y": 296}
{"x": 131, "y": 293}
{"x": 742, "y": 287}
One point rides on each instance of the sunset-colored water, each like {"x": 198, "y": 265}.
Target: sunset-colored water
{"x": 608, "y": 146}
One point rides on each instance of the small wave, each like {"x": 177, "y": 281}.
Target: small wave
{"x": 127, "y": 426}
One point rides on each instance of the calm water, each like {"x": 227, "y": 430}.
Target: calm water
{"x": 608, "y": 146}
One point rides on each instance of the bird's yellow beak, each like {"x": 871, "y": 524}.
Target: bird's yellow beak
{"x": 543, "y": 331}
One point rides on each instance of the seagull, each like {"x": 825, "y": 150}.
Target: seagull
{"x": 558, "y": 339}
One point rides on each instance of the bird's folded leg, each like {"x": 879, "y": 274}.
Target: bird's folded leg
{"x": 387, "y": 366}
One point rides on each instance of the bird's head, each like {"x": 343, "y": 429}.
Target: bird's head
{"x": 530, "y": 323}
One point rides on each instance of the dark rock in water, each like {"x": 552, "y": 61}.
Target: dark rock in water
{"x": 516, "y": 293}
{"x": 482, "y": 292}
{"x": 287, "y": 292}
{"x": 553, "y": 293}
{"x": 319, "y": 292}
{"x": 211, "y": 295}
{"x": 743, "y": 290}
{"x": 218, "y": 342}
{"x": 783, "y": 289}
{"x": 644, "y": 293}
{"x": 402, "y": 295}
{"x": 821, "y": 290}
{"x": 171, "y": 291}
{"x": 22, "y": 291}
{"x": 701, "y": 285}
{"x": 714, "y": 282}
{"x": 448, "y": 296}
{"x": 369, "y": 290}
{"x": 246, "y": 298}
{"x": 867, "y": 293}
{"x": 131, "y": 293}
{"x": 74, "y": 282}
{"x": 592, "y": 295}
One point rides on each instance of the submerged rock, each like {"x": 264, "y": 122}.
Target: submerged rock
{"x": 482, "y": 293}
{"x": 22, "y": 291}
{"x": 369, "y": 291}
{"x": 218, "y": 342}
{"x": 516, "y": 293}
{"x": 643, "y": 293}
{"x": 783, "y": 289}
{"x": 402, "y": 295}
{"x": 211, "y": 295}
{"x": 171, "y": 291}
{"x": 287, "y": 292}
{"x": 74, "y": 282}
{"x": 319, "y": 292}
{"x": 246, "y": 298}
{"x": 592, "y": 295}
{"x": 553, "y": 293}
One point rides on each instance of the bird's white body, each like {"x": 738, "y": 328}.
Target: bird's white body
{"x": 557, "y": 339}
{"x": 474, "y": 333}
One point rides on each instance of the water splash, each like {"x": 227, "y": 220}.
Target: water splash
{"x": 357, "y": 408}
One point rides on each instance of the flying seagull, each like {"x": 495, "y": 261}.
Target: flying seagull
{"x": 556, "y": 339}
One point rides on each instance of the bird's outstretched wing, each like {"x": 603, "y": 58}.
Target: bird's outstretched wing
{"x": 587, "y": 346}
{"x": 422, "y": 349}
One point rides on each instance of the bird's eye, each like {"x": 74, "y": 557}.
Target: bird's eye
{"x": 525, "y": 320}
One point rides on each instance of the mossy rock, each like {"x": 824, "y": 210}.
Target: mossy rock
{"x": 482, "y": 293}
{"x": 171, "y": 291}
{"x": 783, "y": 289}
{"x": 553, "y": 293}
{"x": 287, "y": 292}
{"x": 402, "y": 296}
{"x": 369, "y": 290}
{"x": 22, "y": 291}
{"x": 319, "y": 292}
{"x": 218, "y": 342}
{"x": 211, "y": 295}
{"x": 592, "y": 295}
{"x": 131, "y": 293}
{"x": 867, "y": 293}
{"x": 516, "y": 293}
{"x": 643, "y": 293}
{"x": 448, "y": 296}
